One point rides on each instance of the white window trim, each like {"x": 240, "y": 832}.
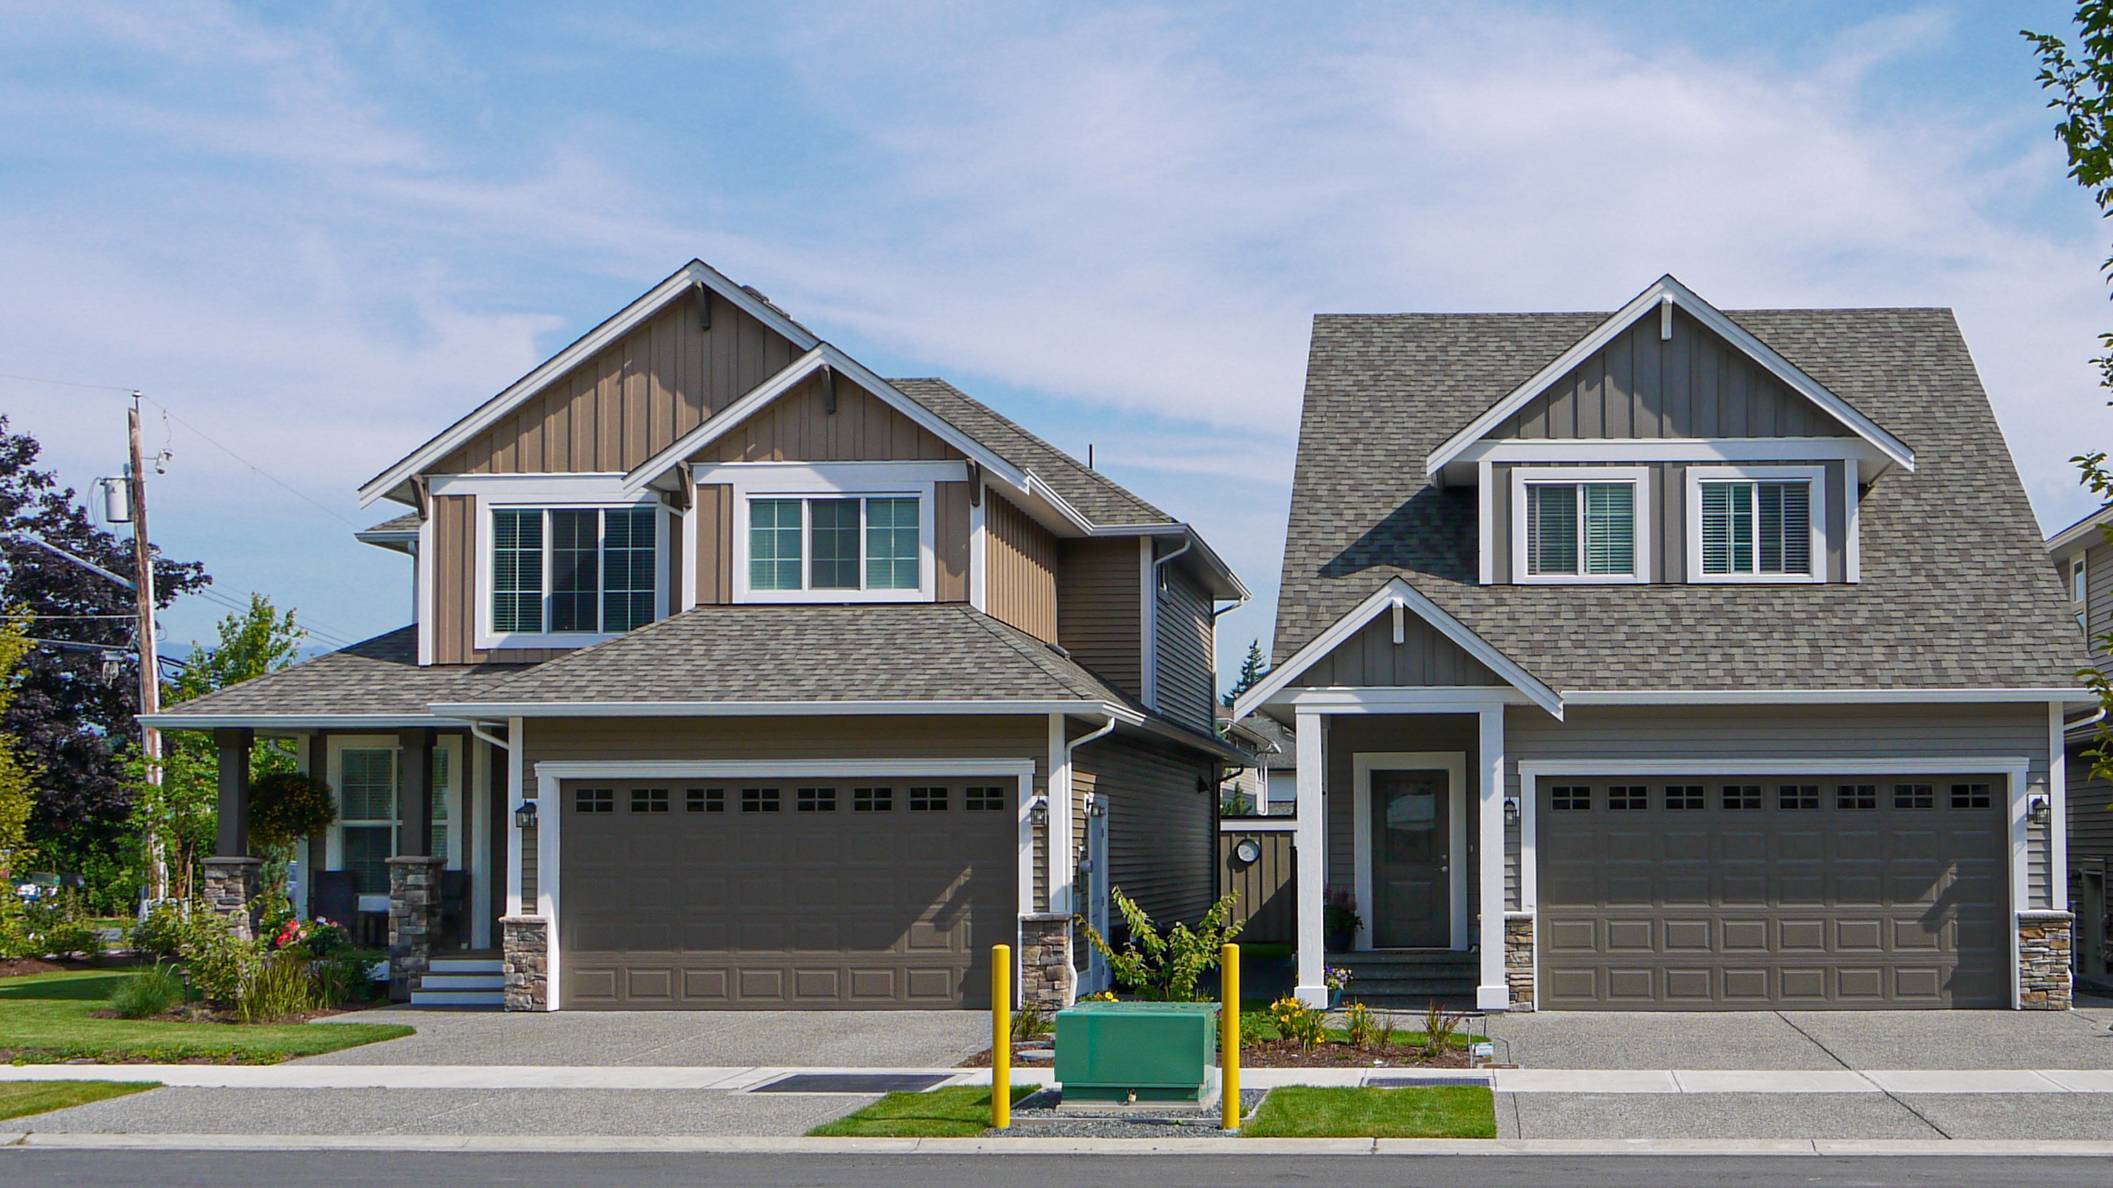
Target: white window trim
{"x": 1816, "y": 502}
{"x": 1638, "y": 479}
{"x": 1454, "y": 765}
{"x": 560, "y": 497}
{"x": 2079, "y": 579}
{"x": 827, "y": 483}
{"x": 334, "y": 841}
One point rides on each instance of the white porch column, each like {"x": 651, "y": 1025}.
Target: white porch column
{"x": 1493, "y": 991}
{"x": 1309, "y": 838}
{"x": 2058, "y": 812}
{"x": 1061, "y": 867}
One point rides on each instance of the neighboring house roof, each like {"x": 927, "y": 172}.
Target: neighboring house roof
{"x": 1956, "y": 591}
{"x": 1273, "y": 742}
{"x": 396, "y": 533}
{"x": 2079, "y": 531}
{"x": 379, "y": 677}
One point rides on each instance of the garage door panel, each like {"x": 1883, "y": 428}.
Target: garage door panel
{"x": 1820, "y": 894}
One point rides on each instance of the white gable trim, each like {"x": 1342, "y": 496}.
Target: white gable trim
{"x": 1397, "y": 592}
{"x": 696, "y": 272}
{"x": 1668, "y": 289}
{"x": 762, "y": 394}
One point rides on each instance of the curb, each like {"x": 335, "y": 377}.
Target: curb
{"x": 485, "y": 1144}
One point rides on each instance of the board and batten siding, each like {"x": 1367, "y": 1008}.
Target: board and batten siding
{"x": 1020, "y": 569}
{"x": 455, "y": 592}
{"x": 799, "y": 427}
{"x": 1266, "y": 888}
{"x": 1424, "y": 657}
{"x": 1349, "y": 734}
{"x": 1694, "y": 385}
{"x": 1718, "y": 734}
{"x": 790, "y": 739}
{"x": 1162, "y": 827}
{"x": 633, "y": 398}
{"x": 1186, "y": 647}
{"x": 1666, "y": 549}
{"x": 1100, "y": 595}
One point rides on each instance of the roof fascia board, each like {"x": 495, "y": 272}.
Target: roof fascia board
{"x": 2075, "y": 696}
{"x": 1203, "y": 550}
{"x": 756, "y": 709}
{"x": 1398, "y": 591}
{"x": 182, "y": 721}
{"x": 1710, "y": 317}
{"x": 610, "y": 330}
{"x": 2082, "y": 528}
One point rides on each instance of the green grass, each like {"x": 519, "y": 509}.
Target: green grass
{"x": 47, "y": 1018}
{"x": 1450, "y": 1111}
{"x": 958, "y": 1111}
{"x": 18, "y": 1098}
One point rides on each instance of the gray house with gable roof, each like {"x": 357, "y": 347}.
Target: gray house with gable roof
{"x": 1673, "y": 658}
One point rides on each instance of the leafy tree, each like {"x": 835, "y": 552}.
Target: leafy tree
{"x": 17, "y": 777}
{"x": 1164, "y": 968}
{"x": 1252, "y": 670}
{"x": 70, "y": 709}
{"x": 2080, "y": 81}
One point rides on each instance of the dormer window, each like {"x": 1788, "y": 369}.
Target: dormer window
{"x": 1579, "y": 524}
{"x": 1755, "y": 524}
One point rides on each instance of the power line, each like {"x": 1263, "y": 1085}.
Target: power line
{"x": 259, "y": 471}
{"x": 58, "y": 383}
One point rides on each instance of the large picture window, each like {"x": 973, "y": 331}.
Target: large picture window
{"x": 574, "y": 570}
{"x": 1578, "y": 525}
{"x": 835, "y": 543}
{"x": 1755, "y": 526}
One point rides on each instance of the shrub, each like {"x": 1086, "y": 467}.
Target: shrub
{"x": 1362, "y": 1027}
{"x": 220, "y": 964}
{"x": 286, "y": 806}
{"x": 1297, "y": 1021}
{"x": 46, "y": 928}
{"x": 160, "y": 932}
{"x": 1165, "y": 969}
{"x": 151, "y": 992}
{"x": 344, "y": 977}
{"x": 281, "y": 985}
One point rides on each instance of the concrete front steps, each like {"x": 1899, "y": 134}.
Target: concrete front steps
{"x": 461, "y": 982}
{"x": 1409, "y": 979}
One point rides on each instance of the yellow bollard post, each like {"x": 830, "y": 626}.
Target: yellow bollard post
{"x": 1000, "y": 1036}
{"x": 1229, "y": 1042}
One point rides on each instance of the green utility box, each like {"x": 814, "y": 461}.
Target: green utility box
{"x": 1121, "y": 1052}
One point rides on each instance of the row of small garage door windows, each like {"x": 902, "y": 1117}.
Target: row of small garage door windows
{"x": 920, "y": 799}
{"x": 1789, "y": 797}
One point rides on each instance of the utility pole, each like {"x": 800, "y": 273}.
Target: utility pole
{"x": 149, "y": 668}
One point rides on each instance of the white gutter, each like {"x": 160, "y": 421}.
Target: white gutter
{"x": 477, "y": 730}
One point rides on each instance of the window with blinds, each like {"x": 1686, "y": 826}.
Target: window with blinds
{"x": 1580, "y": 529}
{"x": 1756, "y": 527}
{"x": 573, "y": 570}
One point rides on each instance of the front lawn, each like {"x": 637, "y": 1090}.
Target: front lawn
{"x": 1448, "y": 1111}
{"x": 20, "y": 1098}
{"x": 957, "y": 1111}
{"x": 49, "y": 1018}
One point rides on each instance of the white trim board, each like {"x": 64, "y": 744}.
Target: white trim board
{"x": 1667, "y": 288}
{"x": 790, "y": 709}
{"x": 1454, "y": 765}
{"x": 1397, "y": 591}
{"x": 1636, "y": 478}
{"x": 1816, "y": 525}
{"x": 1644, "y": 450}
{"x": 2075, "y": 696}
{"x": 681, "y": 282}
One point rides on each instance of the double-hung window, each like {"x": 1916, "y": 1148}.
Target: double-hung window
{"x": 367, "y": 815}
{"x": 1580, "y": 525}
{"x": 573, "y": 570}
{"x": 1760, "y": 525}
{"x": 835, "y": 545}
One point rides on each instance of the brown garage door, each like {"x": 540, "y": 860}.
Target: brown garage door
{"x": 797, "y": 893}
{"x": 1858, "y": 892}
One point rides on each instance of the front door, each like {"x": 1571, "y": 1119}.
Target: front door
{"x": 1411, "y": 872}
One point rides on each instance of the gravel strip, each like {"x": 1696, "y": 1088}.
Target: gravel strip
{"x": 1037, "y": 1117}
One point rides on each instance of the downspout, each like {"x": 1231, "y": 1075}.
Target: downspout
{"x": 478, "y": 730}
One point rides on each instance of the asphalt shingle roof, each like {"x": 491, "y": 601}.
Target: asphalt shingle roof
{"x": 1097, "y": 497}
{"x": 1956, "y": 589}
{"x": 376, "y": 676}
{"x": 407, "y": 522}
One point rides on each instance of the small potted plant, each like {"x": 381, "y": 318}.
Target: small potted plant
{"x": 1339, "y": 922}
{"x": 1336, "y": 978}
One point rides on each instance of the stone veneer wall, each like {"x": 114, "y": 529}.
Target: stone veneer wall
{"x": 231, "y": 890}
{"x": 414, "y": 918}
{"x": 1518, "y": 960}
{"x": 525, "y": 962}
{"x": 2043, "y": 960}
{"x": 1047, "y": 981}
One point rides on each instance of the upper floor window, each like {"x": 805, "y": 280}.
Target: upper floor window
{"x": 1578, "y": 525}
{"x": 2080, "y": 592}
{"x": 1754, "y": 524}
{"x": 835, "y": 546}
{"x": 574, "y": 570}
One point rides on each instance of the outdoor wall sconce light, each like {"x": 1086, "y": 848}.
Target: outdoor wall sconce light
{"x": 525, "y": 814}
{"x": 1038, "y": 810}
{"x": 1511, "y": 810}
{"x": 2037, "y": 808}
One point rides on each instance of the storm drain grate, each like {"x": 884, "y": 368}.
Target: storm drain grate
{"x": 862, "y": 1083}
{"x": 1421, "y": 1082}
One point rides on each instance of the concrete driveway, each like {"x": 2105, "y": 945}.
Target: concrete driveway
{"x": 833, "y": 1039}
{"x": 1858, "y": 1040}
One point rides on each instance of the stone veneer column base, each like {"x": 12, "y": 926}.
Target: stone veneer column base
{"x": 526, "y": 962}
{"x": 2043, "y": 960}
{"x": 1047, "y": 981}
{"x": 414, "y": 916}
{"x": 1518, "y": 960}
{"x": 231, "y": 886}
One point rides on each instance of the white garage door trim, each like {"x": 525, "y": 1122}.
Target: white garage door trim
{"x": 2014, "y": 768}
{"x": 550, "y": 772}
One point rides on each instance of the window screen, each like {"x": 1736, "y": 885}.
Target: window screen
{"x": 774, "y": 544}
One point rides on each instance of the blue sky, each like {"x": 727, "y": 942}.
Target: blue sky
{"x": 319, "y": 233}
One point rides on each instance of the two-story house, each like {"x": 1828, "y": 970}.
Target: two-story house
{"x": 743, "y": 677}
{"x": 2083, "y": 564}
{"x": 1672, "y": 659}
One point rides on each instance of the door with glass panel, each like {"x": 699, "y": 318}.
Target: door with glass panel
{"x": 1411, "y": 868}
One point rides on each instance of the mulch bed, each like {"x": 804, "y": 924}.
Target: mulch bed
{"x": 198, "y": 1012}
{"x": 22, "y": 967}
{"x": 982, "y": 1059}
{"x": 1287, "y": 1054}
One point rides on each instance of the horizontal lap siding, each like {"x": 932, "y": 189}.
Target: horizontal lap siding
{"x": 1162, "y": 845}
{"x": 1100, "y": 600}
{"x": 1187, "y": 676}
{"x": 1020, "y": 574}
{"x": 1716, "y": 735}
{"x": 2090, "y": 816}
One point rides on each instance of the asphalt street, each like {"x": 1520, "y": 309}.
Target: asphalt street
{"x": 218, "y": 1168}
